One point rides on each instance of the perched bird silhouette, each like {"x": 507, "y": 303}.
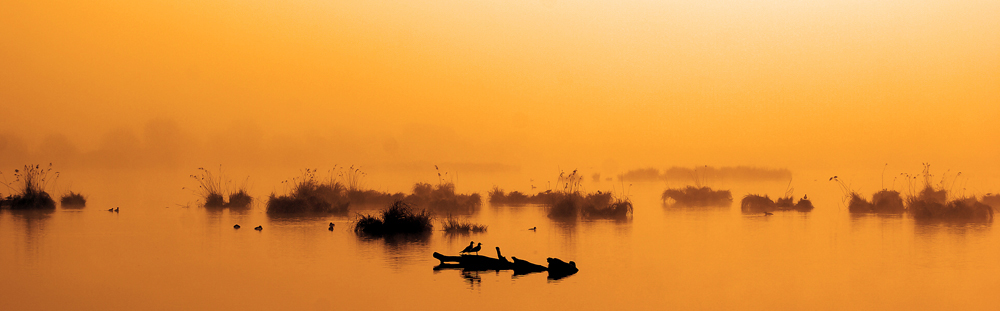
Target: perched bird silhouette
{"x": 768, "y": 214}
{"x": 477, "y": 248}
{"x": 467, "y": 249}
{"x": 237, "y": 226}
{"x": 111, "y": 210}
{"x": 331, "y": 226}
{"x": 259, "y": 228}
{"x": 805, "y": 197}
{"x": 533, "y": 228}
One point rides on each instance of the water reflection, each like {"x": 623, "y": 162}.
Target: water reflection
{"x": 473, "y": 278}
{"x": 399, "y": 249}
{"x": 32, "y": 223}
{"x": 928, "y": 228}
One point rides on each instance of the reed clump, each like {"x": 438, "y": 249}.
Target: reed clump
{"x": 452, "y": 225}
{"x": 698, "y": 196}
{"x": 309, "y": 195}
{"x": 618, "y": 208}
{"x": 73, "y": 200}
{"x": 442, "y": 197}
{"x": 755, "y": 203}
{"x": 398, "y": 217}
{"x": 211, "y": 189}
{"x": 499, "y": 197}
{"x": 992, "y": 200}
{"x": 932, "y": 203}
{"x": 28, "y": 188}
{"x": 592, "y": 205}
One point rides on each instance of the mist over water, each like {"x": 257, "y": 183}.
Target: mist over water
{"x": 173, "y": 256}
{"x": 127, "y": 100}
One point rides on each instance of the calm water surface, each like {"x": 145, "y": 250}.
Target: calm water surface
{"x": 168, "y": 257}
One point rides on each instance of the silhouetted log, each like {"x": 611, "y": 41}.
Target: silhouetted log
{"x": 522, "y": 267}
{"x": 559, "y": 269}
{"x": 471, "y": 262}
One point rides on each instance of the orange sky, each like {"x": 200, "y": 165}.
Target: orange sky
{"x": 606, "y": 85}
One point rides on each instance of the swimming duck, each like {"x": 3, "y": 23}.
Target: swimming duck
{"x": 533, "y": 228}
{"x": 331, "y": 226}
{"x": 237, "y": 226}
{"x": 259, "y": 228}
{"x": 768, "y": 214}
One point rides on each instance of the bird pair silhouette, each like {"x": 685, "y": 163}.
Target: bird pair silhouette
{"x": 470, "y": 249}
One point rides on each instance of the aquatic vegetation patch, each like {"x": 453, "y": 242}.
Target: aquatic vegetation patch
{"x": 29, "y": 188}
{"x": 398, "y": 217}
{"x": 442, "y": 197}
{"x": 308, "y": 195}
{"x": 452, "y": 225}
{"x": 992, "y": 200}
{"x": 592, "y": 205}
{"x": 698, "y": 196}
{"x": 619, "y": 208}
{"x": 239, "y": 199}
{"x": 73, "y": 200}
{"x": 932, "y": 203}
{"x": 755, "y": 203}
{"x": 210, "y": 188}
{"x": 738, "y": 173}
{"x": 499, "y": 197}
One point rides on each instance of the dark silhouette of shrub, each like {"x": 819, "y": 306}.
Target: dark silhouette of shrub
{"x": 992, "y": 200}
{"x": 887, "y": 201}
{"x": 210, "y": 188}
{"x": 442, "y": 197}
{"x": 755, "y": 203}
{"x": 73, "y": 200}
{"x": 29, "y": 189}
{"x": 785, "y": 202}
{"x": 397, "y": 218}
{"x": 698, "y": 196}
{"x": 804, "y": 205}
{"x": 932, "y": 203}
{"x": 310, "y": 196}
{"x": 498, "y": 197}
{"x": 452, "y": 225}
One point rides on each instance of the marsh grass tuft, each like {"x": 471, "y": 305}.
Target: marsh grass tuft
{"x": 309, "y": 195}
{"x": 29, "y": 188}
{"x": 698, "y": 196}
{"x": 398, "y": 217}
{"x": 211, "y": 189}
{"x": 755, "y": 203}
{"x": 73, "y": 200}
{"x": 992, "y": 200}
{"x": 499, "y": 197}
{"x": 452, "y": 225}
{"x": 442, "y": 197}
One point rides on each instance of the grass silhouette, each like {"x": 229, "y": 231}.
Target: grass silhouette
{"x": 698, "y": 196}
{"x": 210, "y": 188}
{"x": 73, "y": 200}
{"x": 398, "y": 217}
{"x": 452, "y": 225}
{"x": 992, "y": 200}
{"x": 755, "y": 203}
{"x": 499, "y": 197}
{"x": 570, "y": 201}
{"x": 442, "y": 197}
{"x": 29, "y": 188}
{"x": 309, "y": 195}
